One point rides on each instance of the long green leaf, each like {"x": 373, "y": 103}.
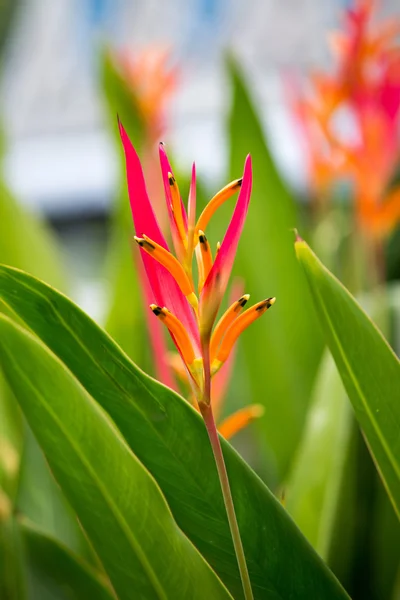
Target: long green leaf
{"x": 168, "y": 436}
{"x": 25, "y": 242}
{"x": 369, "y": 368}
{"x": 118, "y": 503}
{"x": 313, "y": 490}
{"x": 281, "y": 358}
{"x": 55, "y": 573}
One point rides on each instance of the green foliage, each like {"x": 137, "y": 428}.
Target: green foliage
{"x": 41, "y": 501}
{"x": 26, "y": 485}
{"x": 27, "y": 243}
{"x": 116, "y": 500}
{"x": 314, "y": 488}
{"x": 55, "y": 573}
{"x": 369, "y": 368}
{"x": 281, "y": 563}
{"x": 281, "y": 365}
{"x": 12, "y": 575}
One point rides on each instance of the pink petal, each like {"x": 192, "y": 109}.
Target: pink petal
{"x": 218, "y": 278}
{"x": 155, "y": 328}
{"x": 165, "y": 289}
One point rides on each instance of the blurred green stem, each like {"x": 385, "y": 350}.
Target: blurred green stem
{"x": 207, "y": 414}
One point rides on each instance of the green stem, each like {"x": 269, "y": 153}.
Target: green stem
{"x": 209, "y": 421}
{"x": 207, "y": 414}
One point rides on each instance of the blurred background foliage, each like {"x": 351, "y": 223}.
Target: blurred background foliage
{"x": 65, "y": 217}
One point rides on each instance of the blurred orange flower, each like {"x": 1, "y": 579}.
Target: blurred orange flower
{"x": 363, "y": 92}
{"x": 152, "y": 81}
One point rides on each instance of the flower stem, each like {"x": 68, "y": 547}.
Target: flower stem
{"x": 209, "y": 421}
{"x": 208, "y": 417}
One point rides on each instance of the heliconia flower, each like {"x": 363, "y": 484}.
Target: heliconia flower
{"x": 188, "y": 310}
{"x": 365, "y": 87}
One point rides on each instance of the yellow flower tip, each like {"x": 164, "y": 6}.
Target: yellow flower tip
{"x": 171, "y": 179}
{"x": 265, "y": 304}
{"x": 202, "y": 237}
{"x": 157, "y": 310}
{"x": 242, "y": 301}
{"x": 197, "y": 371}
{"x": 218, "y": 248}
{"x": 144, "y": 243}
{"x": 193, "y": 301}
{"x": 204, "y": 258}
{"x": 197, "y": 365}
{"x": 256, "y": 411}
{"x": 216, "y": 365}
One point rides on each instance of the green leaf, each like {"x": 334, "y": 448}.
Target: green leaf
{"x": 11, "y": 441}
{"x": 26, "y": 242}
{"x": 12, "y": 574}
{"x": 11, "y": 444}
{"x": 281, "y": 361}
{"x": 367, "y": 365}
{"x": 55, "y": 573}
{"x": 315, "y": 483}
{"x": 41, "y": 501}
{"x": 169, "y": 437}
{"x": 116, "y": 500}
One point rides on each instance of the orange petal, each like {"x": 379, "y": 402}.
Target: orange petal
{"x": 216, "y": 202}
{"x": 178, "y": 331}
{"x": 172, "y": 265}
{"x": 240, "y": 419}
{"x": 236, "y": 328}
